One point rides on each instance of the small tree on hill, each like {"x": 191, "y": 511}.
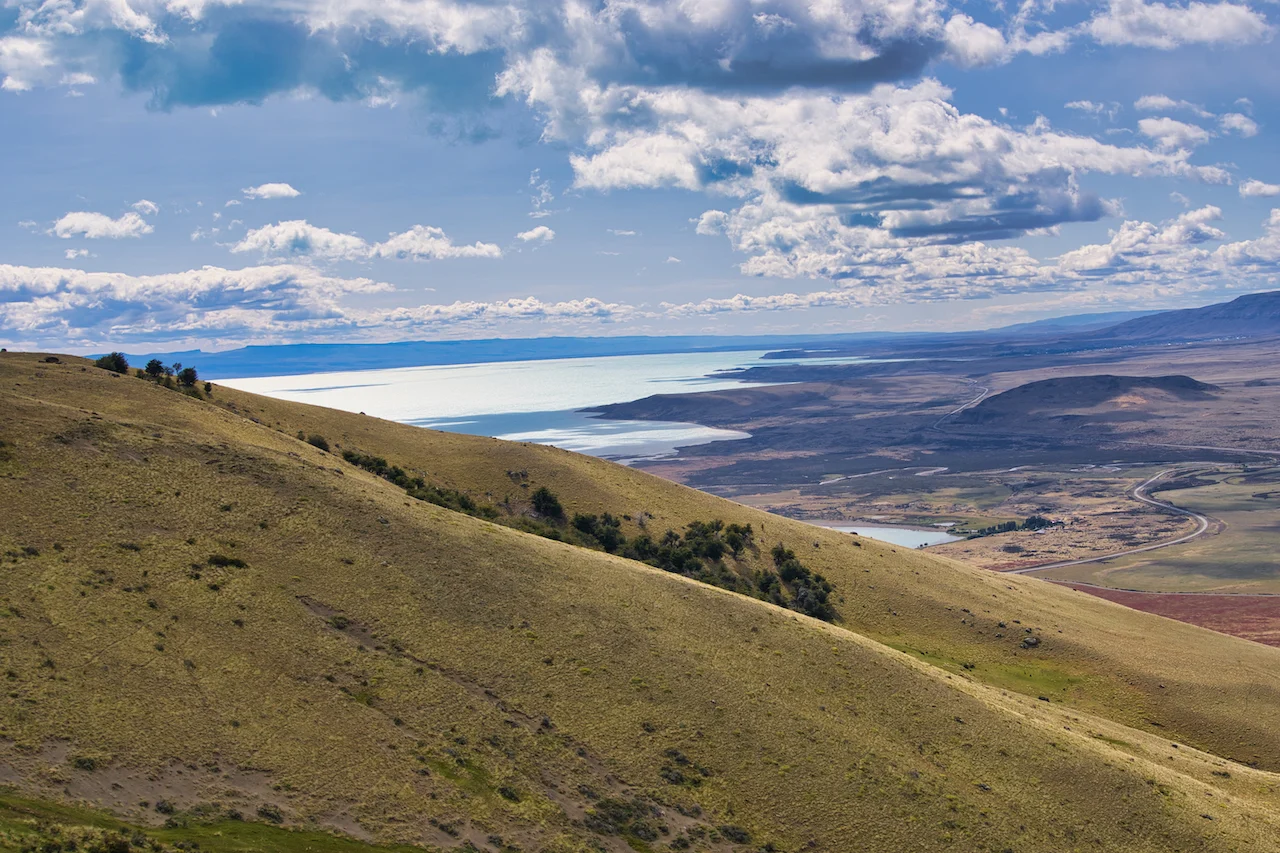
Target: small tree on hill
{"x": 187, "y": 377}
{"x": 155, "y": 368}
{"x": 115, "y": 362}
{"x": 546, "y": 504}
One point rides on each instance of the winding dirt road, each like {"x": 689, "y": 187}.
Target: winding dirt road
{"x": 1139, "y": 493}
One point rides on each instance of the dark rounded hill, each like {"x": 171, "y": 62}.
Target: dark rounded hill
{"x": 1048, "y": 396}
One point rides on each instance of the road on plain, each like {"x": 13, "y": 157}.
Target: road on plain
{"x": 1139, "y": 492}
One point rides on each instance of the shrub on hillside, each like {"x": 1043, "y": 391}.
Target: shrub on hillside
{"x": 271, "y": 813}
{"x": 605, "y": 529}
{"x": 546, "y": 504}
{"x": 317, "y": 440}
{"x": 114, "y": 361}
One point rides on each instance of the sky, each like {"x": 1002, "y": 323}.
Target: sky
{"x": 213, "y": 173}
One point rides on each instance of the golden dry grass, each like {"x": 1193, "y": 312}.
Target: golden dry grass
{"x": 1220, "y": 693}
{"x": 526, "y": 677}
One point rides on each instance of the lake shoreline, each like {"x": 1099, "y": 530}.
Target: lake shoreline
{"x": 904, "y": 535}
{"x": 550, "y": 401}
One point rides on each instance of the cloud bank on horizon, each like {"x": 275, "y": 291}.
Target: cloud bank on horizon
{"x": 793, "y": 162}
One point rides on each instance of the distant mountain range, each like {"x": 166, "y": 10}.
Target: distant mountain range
{"x": 1253, "y": 315}
{"x": 1250, "y": 316}
{"x": 1074, "y": 322}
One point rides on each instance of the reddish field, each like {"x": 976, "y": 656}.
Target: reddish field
{"x": 1254, "y": 617}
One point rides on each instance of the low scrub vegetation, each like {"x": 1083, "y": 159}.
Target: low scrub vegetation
{"x": 703, "y": 552}
{"x": 417, "y": 487}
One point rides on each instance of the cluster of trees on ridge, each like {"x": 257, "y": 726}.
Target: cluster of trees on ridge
{"x": 173, "y": 376}
{"x": 699, "y": 552}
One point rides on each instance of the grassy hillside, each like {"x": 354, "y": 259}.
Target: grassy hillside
{"x": 1219, "y": 693}
{"x": 208, "y": 623}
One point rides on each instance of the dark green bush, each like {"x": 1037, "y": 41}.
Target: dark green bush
{"x": 604, "y": 530}
{"x": 115, "y": 362}
{"x": 546, "y": 504}
{"x": 223, "y": 561}
{"x": 316, "y": 440}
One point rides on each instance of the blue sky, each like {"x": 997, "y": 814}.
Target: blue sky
{"x": 210, "y": 173}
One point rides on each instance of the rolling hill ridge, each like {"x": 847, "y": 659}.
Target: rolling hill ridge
{"x": 1064, "y": 394}
{"x": 200, "y": 609}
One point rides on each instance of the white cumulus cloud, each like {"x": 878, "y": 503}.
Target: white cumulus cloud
{"x": 1163, "y": 26}
{"x": 427, "y": 242}
{"x": 71, "y": 307}
{"x": 25, "y": 63}
{"x": 1238, "y": 123}
{"x": 970, "y": 43}
{"x": 96, "y": 226}
{"x": 540, "y": 234}
{"x": 1172, "y": 134}
{"x": 1257, "y": 189}
{"x": 1163, "y": 103}
{"x": 276, "y": 190}
{"x": 297, "y": 238}
{"x": 1086, "y": 106}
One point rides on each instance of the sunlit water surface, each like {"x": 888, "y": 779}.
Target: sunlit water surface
{"x": 907, "y": 537}
{"x": 537, "y": 401}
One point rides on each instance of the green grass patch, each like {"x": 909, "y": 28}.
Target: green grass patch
{"x": 1036, "y": 678}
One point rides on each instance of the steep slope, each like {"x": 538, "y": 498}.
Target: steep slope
{"x": 1219, "y": 693}
{"x": 202, "y": 610}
